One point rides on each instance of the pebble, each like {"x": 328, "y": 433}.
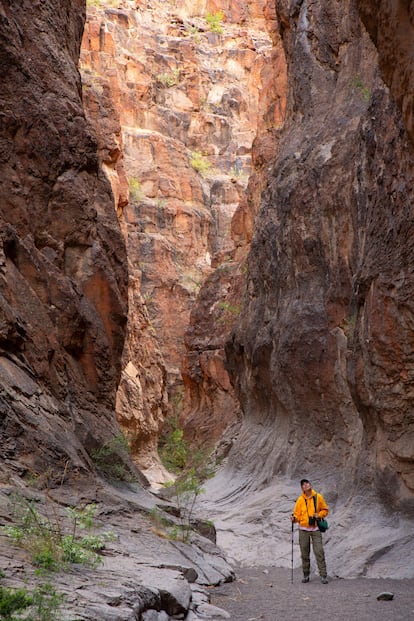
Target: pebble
{"x": 385, "y": 596}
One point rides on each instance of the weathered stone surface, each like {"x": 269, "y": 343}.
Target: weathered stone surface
{"x": 63, "y": 280}
{"x": 391, "y": 26}
{"x": 140, "y": 571}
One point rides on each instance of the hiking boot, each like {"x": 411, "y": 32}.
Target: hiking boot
{"x": 305, "y": 578}
{"x": 324, "y": 580}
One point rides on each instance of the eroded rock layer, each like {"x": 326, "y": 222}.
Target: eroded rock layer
{"x": 63, "y": 278}
{"x": 322, "y": 355}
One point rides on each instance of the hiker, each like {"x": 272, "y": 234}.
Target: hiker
{"x": 309, "y": 508}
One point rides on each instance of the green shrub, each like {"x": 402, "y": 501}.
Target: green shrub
{"x": 41, "y": 604}
{"x": 110, "y": 459}
{"x": 12, "y": 601}
{"x": 191, "y": 467}
{"x": 364, "y": 90}
{"x": 193, "y": 31}
{"x": 229, "y": 312}
{"x": 173, "y": 448}
{"x": 214, "y": 20}
{"x": 200, "y": 162}
{"x": 47, "y": 539}
{"x": 135, "y": 190}
{"x": 169, "y": 79}
{"x": 185, "y": 490}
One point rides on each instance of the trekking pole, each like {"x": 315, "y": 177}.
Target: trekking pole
{"x": 291, "y": 578}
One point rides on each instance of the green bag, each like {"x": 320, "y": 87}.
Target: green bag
{"x": 321, "y": 522}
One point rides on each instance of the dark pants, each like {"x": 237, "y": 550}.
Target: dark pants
{"x": 305, "y": 538}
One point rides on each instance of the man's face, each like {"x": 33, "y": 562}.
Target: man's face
{"x": 306, "y": 487}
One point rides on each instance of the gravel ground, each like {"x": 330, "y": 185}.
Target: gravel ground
{"x": 267, "y": 594}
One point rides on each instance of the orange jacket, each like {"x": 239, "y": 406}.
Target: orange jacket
{"x": 305, "y": 507}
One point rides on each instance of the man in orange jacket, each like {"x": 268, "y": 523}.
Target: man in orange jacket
{"x": 305, "y": 513}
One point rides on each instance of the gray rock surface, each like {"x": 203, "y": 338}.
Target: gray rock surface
{"x": 135, "y": 575}
{"x": 253, "y": 527}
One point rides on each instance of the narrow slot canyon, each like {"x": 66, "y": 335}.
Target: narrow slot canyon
{"x": 206, "y": 261}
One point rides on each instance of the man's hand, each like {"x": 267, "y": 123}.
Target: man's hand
{"x": 292, "y": 518}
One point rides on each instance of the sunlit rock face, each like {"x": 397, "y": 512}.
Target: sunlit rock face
{"x": 321, "y": 356}
{"x": 63, "y": 278}
{"x": 185, "y": 97}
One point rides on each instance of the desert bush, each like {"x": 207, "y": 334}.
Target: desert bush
{"x": 51, "y": 543}
{"x": 110, "y": 459}
{"x": 169, "y": 79}
{"x": 135, "y": 190}
{"x": 200, "y": 162}
{"x": 42, "y": 603}
{"x": 214, "y": 20}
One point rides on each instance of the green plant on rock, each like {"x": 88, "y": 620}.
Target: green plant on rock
{"x": 173, "y": 448}
{"x": 193, "y": 31}
{"x": 12, "y": 602}
{"x": 230, "y": 312}
{"x": 135, "y": 190}
{"x": 51, "y": 543}
{"x": 160, "y": 522}
{"x": 348, "y": 326}
{"x": 169, "y": 79}
{"x": 214, "y": 21}
{"x": 110, "y": 459}
{"x": 184, "y": 490}
{"x": 364, "y": 90}
{"x": 191, "y": 466}
{"x": 200, "y": 162}
{"x": 40, "y": 604}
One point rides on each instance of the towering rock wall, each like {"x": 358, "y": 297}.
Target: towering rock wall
{"x": 189, "y": 103}
{"x": 63, "y": 278}
{"x": 321, "y": 357}
{"x": 210, "y": 406}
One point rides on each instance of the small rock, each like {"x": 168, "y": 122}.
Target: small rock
{"x": 385, "y": 596}
{"x": 208, "y": 611}
{"x": 150, "y": 615}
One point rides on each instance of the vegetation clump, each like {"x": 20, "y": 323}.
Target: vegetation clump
{"x": 169, "y": 79}
{"x": 42, "y": 603}
{"x": 135, "y": 190}
{"x": 191, "y": 467}
{"x": 51, "y": 544}
{"x": 110, "y": 459}
{"x": 214, "y": 20}
{"x": 200, "y": 162}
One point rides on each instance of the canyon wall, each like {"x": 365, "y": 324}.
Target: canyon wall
{"x": 63, "y": 284}
{"x": 188, "y": 100}
{"x": 391, "y": 27}
{"x": 321, "y": 356}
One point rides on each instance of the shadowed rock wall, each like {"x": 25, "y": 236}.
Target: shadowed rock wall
{"x": 321, "y": 357}
{"x": 391, "y": 26}
{"x": 63, "y": 279}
